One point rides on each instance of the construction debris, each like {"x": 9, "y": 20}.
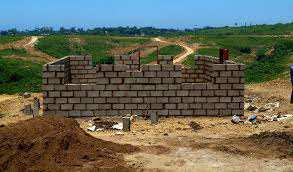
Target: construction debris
{"x": 270, "y": 107}
{"x": 27, "y": 95}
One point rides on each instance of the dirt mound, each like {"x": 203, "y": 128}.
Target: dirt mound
{"x": 57, "y": 144}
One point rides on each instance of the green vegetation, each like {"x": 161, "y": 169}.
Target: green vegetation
{"x": 276, "y": 29}
{"x": 11, "y": 51}
{"x": 168, "y": 50}
{"x": 17, "y": 76}
{"x": 9, "y": 39}
{"x": 97, "y": 46}
{"x": 189, "y": 62}
{"x": 270, "y": 67}
{"x": 56, "y": 46}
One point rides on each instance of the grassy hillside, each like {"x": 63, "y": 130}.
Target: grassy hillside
{"x": 9, "y": 39}
{"x": 97, "y": 46}
{"x": 276, "y": 29}
{"x": 168, "y": 50}
{"x": 17, "y": 76}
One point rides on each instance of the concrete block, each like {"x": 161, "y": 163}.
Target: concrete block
{"x": 182, "y": 93}
{"x": 169, "y": 93}
{"x": 200, "y": 99}
{"x": 74, "y": 100}
{"x": 154, "y": 118}
{"x": 106, "y": 94}
{"x": 195, "y": 106}
{"x": 162, "y": 87}
{"x": 187, "y": 99}
{"x": 155, "y": 80}
{"x": 163, "y": 74}
{"x": 80, "y": 93}
{"x": 183, "y": 106}
{"x": 175, "y": 99}
{"x": 156, "y": 93}
{"x": 225, "y": 99}
{"x": 100, "y": 100}
{"x": 126, "y": 124}
{"x": 94, "y": 93}
{"x": 66, "y": 106}
{"x": 118, "y": 106}
{"x": 79, "y": 106}
{"x": 54, "y": 94}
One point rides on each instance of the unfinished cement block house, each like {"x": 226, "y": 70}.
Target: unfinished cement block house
{"x": 73, "y": 87}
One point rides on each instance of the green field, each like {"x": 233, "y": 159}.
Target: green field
{"x": 97, "y": 46}
{"x": 168, "y": 50}
{"x": 9, "y": 39}
{"x": 17, "y": 76}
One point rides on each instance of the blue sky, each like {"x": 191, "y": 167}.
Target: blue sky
{"x": 24, "y": 14}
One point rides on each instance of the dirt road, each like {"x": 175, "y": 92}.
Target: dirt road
{"x": 181, "y": 57}
{"x": 32, "y": 42}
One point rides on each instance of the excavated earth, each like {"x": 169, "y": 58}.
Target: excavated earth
{"x": 58, "y": 144}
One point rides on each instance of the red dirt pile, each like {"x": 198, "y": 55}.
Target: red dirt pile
{"x": 57, "y": 144}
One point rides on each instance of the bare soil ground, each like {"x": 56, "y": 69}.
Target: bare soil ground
{"x": 188, "y": 144}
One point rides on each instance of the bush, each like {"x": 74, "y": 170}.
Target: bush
{"x": 261, "y": 54}
{"x": 103, "y": 60}
{"x": 246, "y": 50}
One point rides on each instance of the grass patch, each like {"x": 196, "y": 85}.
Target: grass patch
{"x": 9, "y": 39}
{"x": 56, "y": 46}
{"x": 270, "y": 67}
{"x": 17, "y": 76}
{"x": 168, "y": 50}
{"x": 11, "y": 51}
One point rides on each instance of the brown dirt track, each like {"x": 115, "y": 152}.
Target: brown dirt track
{"x": 57, "y": 144}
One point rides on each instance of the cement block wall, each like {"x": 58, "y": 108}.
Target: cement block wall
{"x": 72, "y": 87}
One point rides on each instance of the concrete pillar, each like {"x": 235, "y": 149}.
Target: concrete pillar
{"x": 36, "y": 107}
{"x": 27, "y": 109}
{"x": 126, "y": 124}
{"x": 154, "y": 118}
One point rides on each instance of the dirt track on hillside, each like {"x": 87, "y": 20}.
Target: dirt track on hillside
{"x": 183, "y": 56}
{"x": 28, "y": 44}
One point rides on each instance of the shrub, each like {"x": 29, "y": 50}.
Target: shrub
{"x": 103, "y": 60}
{"x": 246, "y": 50}
{"x": 261, "y": 54}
